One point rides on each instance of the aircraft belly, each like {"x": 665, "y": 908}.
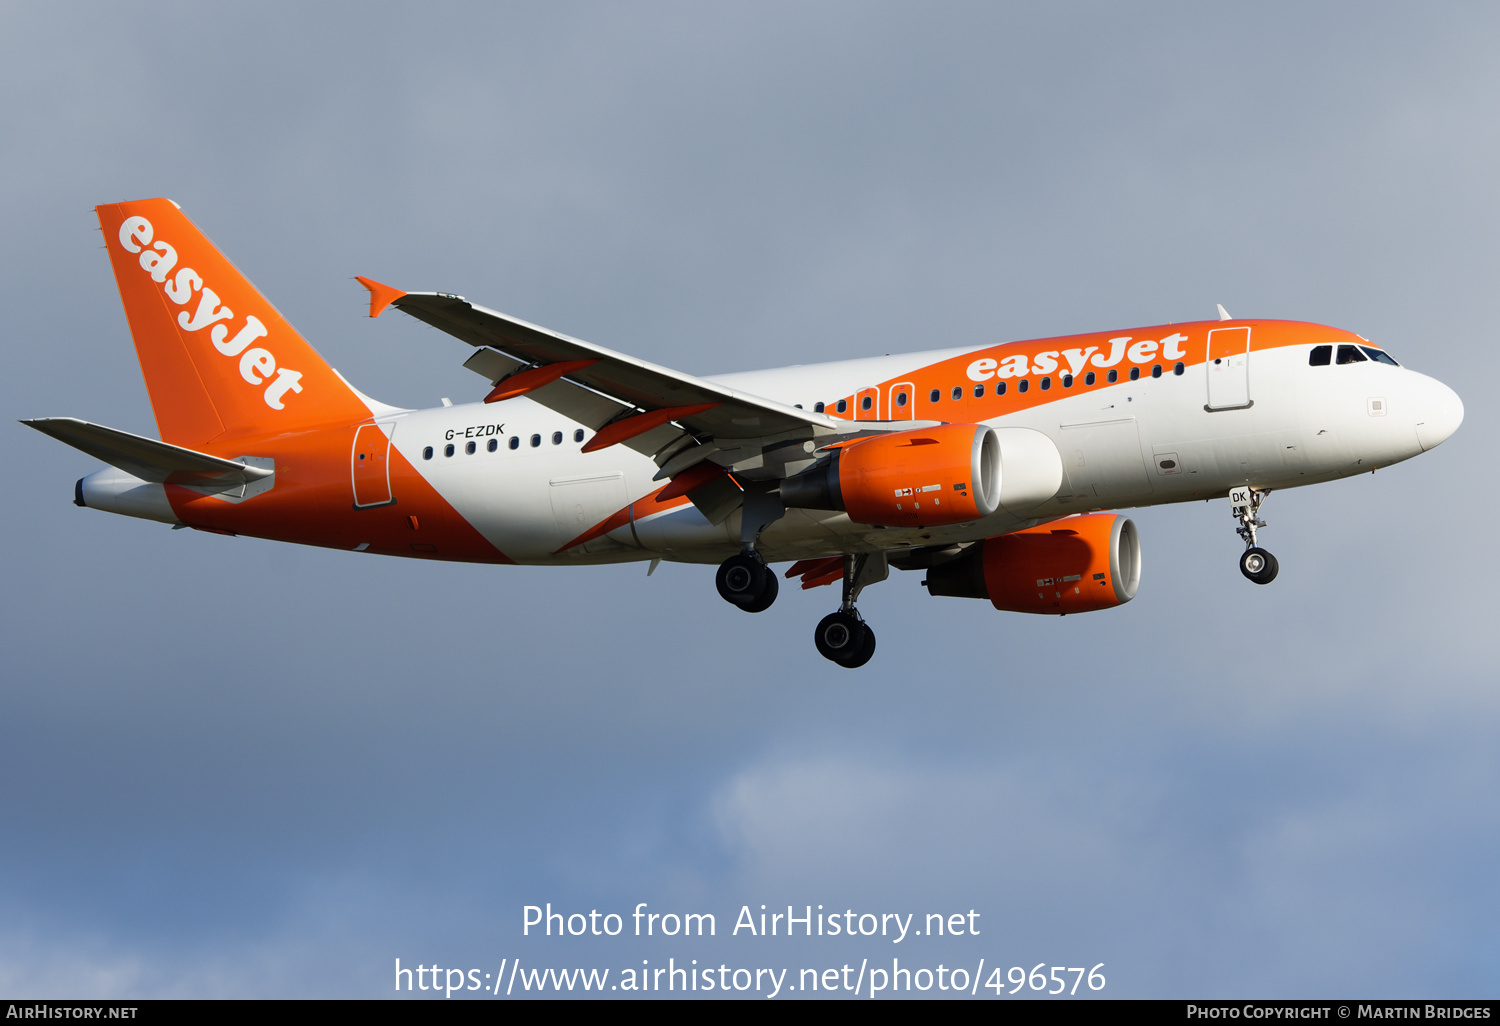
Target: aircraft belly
{"x": 684, "y": 533}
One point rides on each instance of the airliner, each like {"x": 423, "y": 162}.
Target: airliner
{"x": 991, "y": 469}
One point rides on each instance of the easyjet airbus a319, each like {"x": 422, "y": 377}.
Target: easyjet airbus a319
{"x": 988, "y": 468}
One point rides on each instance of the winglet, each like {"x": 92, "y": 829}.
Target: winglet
{"x": 381, "y": 296}
{"x": 1223, "y": 313}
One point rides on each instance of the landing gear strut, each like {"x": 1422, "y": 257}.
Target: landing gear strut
{"x": 744, "y": 579}
{"x": 844, "y": 637}
{"x": 1256, "y": 564}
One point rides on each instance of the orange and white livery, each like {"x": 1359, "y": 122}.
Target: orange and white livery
{"x": 988, "y": 468}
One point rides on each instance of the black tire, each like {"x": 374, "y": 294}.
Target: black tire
{"x": 767, "y": 594}
{"x": 1259, "y": 566}
{"x": 741, "y": 579}
{"x": 865, "y": 651}
{"x": 840, "y": 637}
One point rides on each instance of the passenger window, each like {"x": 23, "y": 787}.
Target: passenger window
{"x": 817, "y": 407}
{"x": 1350, "y": 354}
{"x": 1113, "y": 376}
{"x": 557, "y": 438}
{"x": 1067, "y": 381}
{"x": 978, "y": 391}
{"x": 1046, "y": 383}
{"x": 843, "y": 406}
{"x": 1320, "y": 356}
{"x": 1023, "y": 385}
{"x": 515, "y": 441}
{"x": 494, "y": 444}
{"x": 934, "y": 396}
{"x": 1379, "y": 355}
{"x": 536, "y": 440}
{"x": 1135, "y": 374}
{"x": 958, "y": 393}
{"x": 1088, "y": 379}
{"x": 448, "y": 449}
{"x": 900, "y": 398}
{"x": 470, "y": 449}
{"x": 999, "y": 388}
{"x": 578, "y": 435}
{"x": 1156, "y": 370}
{"x": 1178, "y": 369}
{"x": 427, "y": 453}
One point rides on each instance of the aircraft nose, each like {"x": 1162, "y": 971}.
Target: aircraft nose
{"x": 1439, "y": 413}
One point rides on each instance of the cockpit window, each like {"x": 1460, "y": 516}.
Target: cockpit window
{"x": 1350, "y": 354}
{"x": 1321, "y": 356}
{"x": 1379, "y": 355}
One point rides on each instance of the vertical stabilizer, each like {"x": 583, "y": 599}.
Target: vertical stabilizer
{"x": 219, "y": 361}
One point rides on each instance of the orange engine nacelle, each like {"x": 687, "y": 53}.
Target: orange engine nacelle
{"x": 925, "y": 477}
{"x": 1068, "y": 566}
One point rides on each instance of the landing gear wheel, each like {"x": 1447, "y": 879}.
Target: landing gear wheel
{"x": 767, "y": 595}
{"x": 1259, "y": 565}
{"x": 842, "y": 638}
{"x": 865, "y": 651}
{"x": 745, "y": 581}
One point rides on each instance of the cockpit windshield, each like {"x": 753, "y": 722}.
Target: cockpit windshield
{"x": 1322, "y": 356}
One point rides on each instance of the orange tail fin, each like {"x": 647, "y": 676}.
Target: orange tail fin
{"x": 219, "y": 361}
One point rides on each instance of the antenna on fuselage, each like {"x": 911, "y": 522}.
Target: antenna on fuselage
{"x": 1223, "y": 313}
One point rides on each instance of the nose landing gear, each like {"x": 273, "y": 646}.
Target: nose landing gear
{"x": 1256, "y": 564}
{"x": 844, "y": 637}
{"x": 1259, "y": 565}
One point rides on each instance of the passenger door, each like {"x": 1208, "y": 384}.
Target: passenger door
{"x": 1229, "y": 368}
{"x": 370, "y": 466}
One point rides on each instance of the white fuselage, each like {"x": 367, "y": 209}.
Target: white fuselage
{"x": 1135, "y": 443}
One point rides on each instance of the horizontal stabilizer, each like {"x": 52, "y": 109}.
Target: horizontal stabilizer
{"x": 146, "y": 458}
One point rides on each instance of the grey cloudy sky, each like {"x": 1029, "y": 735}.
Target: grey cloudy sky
{"x": 229, "y": 767}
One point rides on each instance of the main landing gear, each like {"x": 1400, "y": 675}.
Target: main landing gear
{"x": 745, "y": 581}
{"x": 844, "y": 637}
{"x": 1256, "y": 564}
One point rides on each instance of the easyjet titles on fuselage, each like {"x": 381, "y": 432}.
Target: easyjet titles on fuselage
{"x": 1141, "y": 351}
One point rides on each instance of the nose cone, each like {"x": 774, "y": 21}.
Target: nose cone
{"x": 1439, "y": 413}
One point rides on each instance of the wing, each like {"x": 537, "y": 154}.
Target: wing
{"x": 677, "y": 418}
